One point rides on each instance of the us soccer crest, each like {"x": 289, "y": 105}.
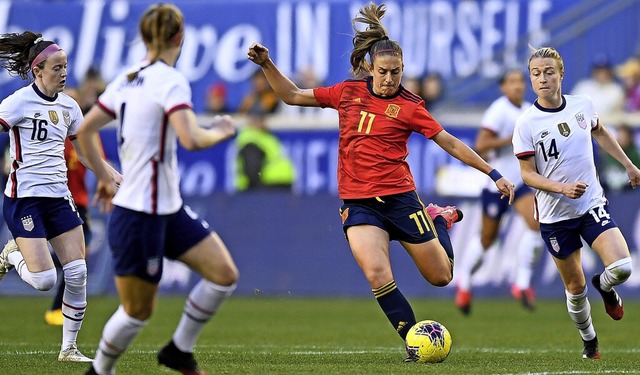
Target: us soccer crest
{"x": 554, "y": 244}
{"x": 27, "y": 223}
{"x": 564, "y": 129}
{"x": 53, "y": 116}
{"x": 66, "y": 117}
{"x": 153, "y": 265}
{"x": 392, "y": 110}
{"x": 580, "y": 119}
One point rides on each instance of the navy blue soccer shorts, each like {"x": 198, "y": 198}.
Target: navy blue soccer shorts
{"x": 139, "y": 241}
{"x": 494, "y": 207}
{"x": 563, "y": 238}
{"x": 401, "y": 215}
{"x": 37, "y": 217}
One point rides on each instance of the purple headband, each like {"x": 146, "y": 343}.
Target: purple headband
{"x": 48, "y": 51}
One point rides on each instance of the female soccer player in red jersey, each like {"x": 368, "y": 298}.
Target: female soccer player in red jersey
{"x": 377, "y": 116}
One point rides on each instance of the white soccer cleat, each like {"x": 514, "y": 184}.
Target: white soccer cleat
{"x": 5, "y": 266}
{"x": 72, "y": 354}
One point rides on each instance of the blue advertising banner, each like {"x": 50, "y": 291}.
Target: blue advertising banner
{"x": 315, "y": 157}
{"x": 468, "y": 42}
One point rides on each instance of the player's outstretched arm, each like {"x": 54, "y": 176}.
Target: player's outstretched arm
{"x": 459, "y": 150}
{"x": 193, "y": 137}
{"x": 288, "y": 91}
{"x": 609, "y": 144}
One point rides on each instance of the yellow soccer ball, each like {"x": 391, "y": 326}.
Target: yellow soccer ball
{"x": 428, "y": 342}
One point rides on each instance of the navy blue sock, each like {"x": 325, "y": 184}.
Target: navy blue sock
{"x": 443, "y": 235}
{"x": 396, "y": 307}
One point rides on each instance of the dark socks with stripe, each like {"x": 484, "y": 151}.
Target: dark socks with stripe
{"x": 396, "y": 307}
{"x": 443, "y": 235}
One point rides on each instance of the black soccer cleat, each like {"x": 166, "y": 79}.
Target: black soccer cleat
{"x": 612, "y": 301}
{"x": 590, "y": 350}
{"x": 178, "y": 360}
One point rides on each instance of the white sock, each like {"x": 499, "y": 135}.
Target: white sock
{"x": 203, "y": 302}
{"x": 43, "y": 280}
{"x": 117, "y": 335}
{"x": 74, "y": 300}
{"x": 580, "y": 313}
{"x": 526, "y": 254}
{"x": 615, "y": 274}
{"x": 470, "y": 260}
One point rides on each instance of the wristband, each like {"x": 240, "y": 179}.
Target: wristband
{"x": 495, "y": 175}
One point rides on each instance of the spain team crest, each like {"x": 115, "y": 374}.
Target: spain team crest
{"x": 564, "y": 129}
{"x": 66, "y": 117}
{"x": 392, "y": 110}
{"x": 53, "y": 116}
{"x": 344, "y": 215}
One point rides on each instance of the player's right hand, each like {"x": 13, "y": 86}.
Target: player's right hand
{"x": 258, "y": 53}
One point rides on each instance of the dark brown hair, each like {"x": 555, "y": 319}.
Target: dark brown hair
{"x": 18, "y": 50}
{"x": 159, "y": 26}
{"x": 373, "y": 40}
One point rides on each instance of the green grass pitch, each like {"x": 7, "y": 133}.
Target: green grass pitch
{"x": 272, "y": 335}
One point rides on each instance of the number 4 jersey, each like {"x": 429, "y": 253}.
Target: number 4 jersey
{"x": 560, "y": 140}
{"x": 38, "y": 126}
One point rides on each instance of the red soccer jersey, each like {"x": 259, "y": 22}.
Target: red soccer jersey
{"x": 374, "y": 132}
{"x": 75, "y": 175}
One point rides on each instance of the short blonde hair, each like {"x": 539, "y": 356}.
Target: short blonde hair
{"x": 544, "y": 53}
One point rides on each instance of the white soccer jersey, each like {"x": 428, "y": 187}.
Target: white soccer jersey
{"x": 500, "y": 118}
{"x": 146, "y": 142}
{"x": 560, "y": 139}
{"x": 38, "y": 126}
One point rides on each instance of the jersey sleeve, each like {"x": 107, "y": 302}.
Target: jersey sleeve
{"x": 75, "y": 122}
{"x": 592, "y": 113}
{"x": 176, "y": 95}
{"x": 491, "y": 118}
{"x": 329, "y": 96}
{"x": 11, "y": 112}
{"x": 107, "y": 101}
{"x": 522, "y": 140}
{"x": 422, "y": 122}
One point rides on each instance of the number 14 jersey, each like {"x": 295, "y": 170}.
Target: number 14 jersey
{"x": 560, "y": 140}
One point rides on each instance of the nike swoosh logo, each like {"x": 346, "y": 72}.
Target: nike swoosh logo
{"x": 544, "y": 134}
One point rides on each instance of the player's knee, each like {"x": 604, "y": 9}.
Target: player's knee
{"x": 621, "y": 269}
{"x": 229, "y": 275}
{"x": 440, "y": 279}
{"x": 140, "y": 311}
{"x": 225, "y": 275}
{"x": 75, "y": 273}
{"x": 44, "y": 280}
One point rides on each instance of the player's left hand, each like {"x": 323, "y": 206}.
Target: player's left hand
{"x": 105, "y": 190}
{"x": 634, "y": 176}
{"x": 506, "y": 188}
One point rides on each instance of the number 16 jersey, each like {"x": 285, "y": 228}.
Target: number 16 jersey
{"x": 38, "y": 126}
